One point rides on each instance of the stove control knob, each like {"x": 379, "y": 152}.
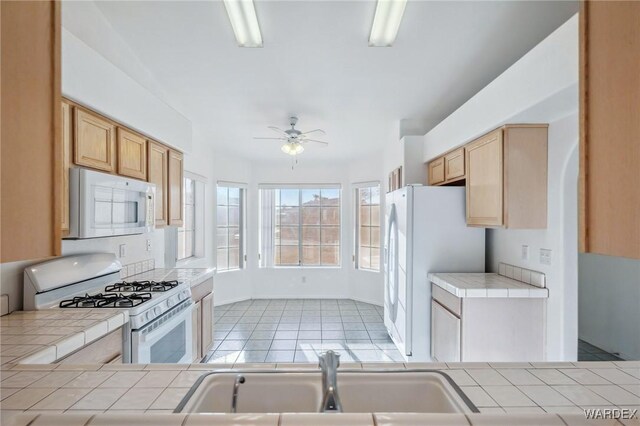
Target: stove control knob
{"x": 157, "y": 310}
{"x": 147, "y": 316}
{"x": 169, "y": 303}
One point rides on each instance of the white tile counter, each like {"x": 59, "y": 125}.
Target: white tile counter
{"x": 38, "y": 337}
{"x": 505, "y": 393}
{"x": 485, "y": 285}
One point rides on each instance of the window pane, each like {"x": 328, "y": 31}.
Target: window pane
{"x": 365, "y": 236}
{"x": 189, "y": 217}
{"x": 375, "y": 236}
{"x": 223, "y": 259}
{"x": 223, "y": 238}
{"x": 330, "y": 235}
{"x": 364, "y": 260}
{"x": 365, "y": 215}
{"x": 311, "y": 235}
{"x": 330, "y": 255}
{"x": 234, "y": 237}
{"x": 289, "y": 197}
{"x": 234, "y": 196}
{"x": 234, "y": 216}
{"x": 221, "y": 196}
{"x": 222, "y": 216}
{"x": 286, "y": 235}
{"x": 365, "y": 196}
{"x": 375, "y": 215}
{"x": 311, "y": 215}
{"x": 181, "y": 245}
{"x": 375, "y": 259}
{"x": 188, "y": 244}
{"x": 310, "y": 197}
{"x": 330, "y": 215}
{"x": 234, "y": 258}
{"x": 375, "y": 195}
{"x": 311, "y": 255}
{"x": 289, "y": 255}
{"x": 189, "y": 191}
{"x": 330, "y": 197}
{"x": 289, "y": 215}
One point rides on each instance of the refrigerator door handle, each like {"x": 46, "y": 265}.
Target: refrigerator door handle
{"x": 391, "y": 264}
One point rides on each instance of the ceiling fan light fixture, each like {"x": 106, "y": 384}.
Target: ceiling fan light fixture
{"x": 292, "y": 148}
{"x": 386, "y": 22}
{"x": 244, "y": 21}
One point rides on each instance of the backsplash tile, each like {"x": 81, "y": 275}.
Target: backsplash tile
{"x": 527, "y": 276}
{"x": 137, "y": 268}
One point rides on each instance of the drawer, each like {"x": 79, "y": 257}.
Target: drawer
{"x": 446, "y": 299}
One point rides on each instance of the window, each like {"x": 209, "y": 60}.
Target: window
{"x": 300, "y": 226}
{"x": 230, "y": 232}
{"x": 186, "y": 233}
{"x": 368, "y": 228}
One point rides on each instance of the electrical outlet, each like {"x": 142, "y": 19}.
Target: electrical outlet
{"x": 525, "y": 252}
{"x": 545, "y": 256}
{"x": 148, "y": 245}
{"x": 123, "y": 250}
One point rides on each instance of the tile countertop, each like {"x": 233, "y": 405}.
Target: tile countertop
{"x": 505, "y": 393}
{"x": 485, "y": 285}
{"x": 37, "y": 337}
{"x": 191, "y": 276}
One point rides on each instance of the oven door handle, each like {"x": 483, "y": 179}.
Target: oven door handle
{"x": 178, "y": 318}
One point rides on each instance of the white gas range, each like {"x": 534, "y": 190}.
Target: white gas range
{"x": 159, "y": 328}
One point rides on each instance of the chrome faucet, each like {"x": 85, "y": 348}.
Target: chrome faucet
{"x": 329, "y": 363}
{"x": 236, "y": 387}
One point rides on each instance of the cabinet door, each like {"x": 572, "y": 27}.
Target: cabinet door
{"x": 175, "y": 188}
{"x": 95, "y": 141}
{"x": 66, "y": 162}
{"x": 485, "y": 181}
{"x": 196, "y": 344}
{"x": 159, "y": 175}
{"x": 132, "y": 154}
{"x": 454, "y": 165}
{"x": 207, "y": 323}
{"x": 436, "y": 171}
{"x": 445, "y": 334}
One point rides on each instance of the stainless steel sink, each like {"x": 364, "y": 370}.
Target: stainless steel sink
{"x": 361, "y": 391}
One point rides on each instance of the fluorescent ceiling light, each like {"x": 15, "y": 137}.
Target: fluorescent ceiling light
{"x": 244, "y": 22}
{"x": 386, "y": 22}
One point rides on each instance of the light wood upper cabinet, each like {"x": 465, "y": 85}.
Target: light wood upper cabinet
{"x": 447, "y": 169}
{"x": 454, "y": 165}
{"x": 436, "y": 171}
{"x": 132, "y": 154}
{"x": 158, "y": 162}
{"x": 506, "y": 180}
{"x": 484, "y": 181}
{"x": 31, "y": 134}
{"x": 609, "y": 193}
{"x": 95, "y": 141}
{"x": 175, "y": 193}
{"x": 67, "y": 135}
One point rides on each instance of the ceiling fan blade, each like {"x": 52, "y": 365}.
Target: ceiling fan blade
{"x": 316, "y": 141}
{"x": 273, "y": 139}
{"x": 278, "y": 130}
{"x": 313, "y": 131}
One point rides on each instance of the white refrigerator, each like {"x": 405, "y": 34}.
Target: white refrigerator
{"x": 425, "y": 232}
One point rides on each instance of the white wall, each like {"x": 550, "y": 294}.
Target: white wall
{"x": 540, "y": 87}
{"x": 609, "y": 307}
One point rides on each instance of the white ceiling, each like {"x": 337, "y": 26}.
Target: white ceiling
{"x": 315, "y": 63}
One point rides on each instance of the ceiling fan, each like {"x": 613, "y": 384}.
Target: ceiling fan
{"x": 294, "y": 139}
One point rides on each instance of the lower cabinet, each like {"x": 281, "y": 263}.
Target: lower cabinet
{"x": 105, "y": 350}
{"x": 486, "y": 329}
{"x": 202, "y": 317}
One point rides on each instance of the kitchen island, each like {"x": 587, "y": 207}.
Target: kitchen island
{"x": 505, "y": 393}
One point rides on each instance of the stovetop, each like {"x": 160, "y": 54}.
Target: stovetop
{"x": 121, "y": 295}
{"x": 142, "y": 286}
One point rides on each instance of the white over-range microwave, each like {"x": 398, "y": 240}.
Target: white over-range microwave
{"x": 104, "y": 205}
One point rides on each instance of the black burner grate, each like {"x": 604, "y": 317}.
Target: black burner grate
{"x": 112, "y": 300}
{"x": 141, "y": 286}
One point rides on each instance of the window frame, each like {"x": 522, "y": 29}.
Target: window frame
{"x": 182, "y": 229}
{"x": 199, "y": 194}
{"x": 242, "y": 202}
{"x": 356, "y": 229}
{"x": 271, "y": 263}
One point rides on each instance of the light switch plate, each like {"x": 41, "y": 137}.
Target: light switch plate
{"x": 545, "y": 256}
{"x": 123, "y": 250}
{"x": 525, "y": 252}
{"x": 148, "y": 245}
